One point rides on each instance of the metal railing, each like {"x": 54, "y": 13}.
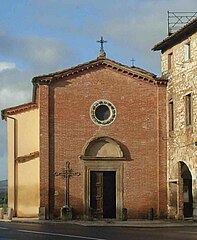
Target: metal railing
{"x": 177, "y": 20}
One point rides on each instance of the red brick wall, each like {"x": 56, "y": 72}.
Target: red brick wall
{"x": 139, "y": 125}
{"x": 162, "y": 151}
{"x": 43, "y": 93}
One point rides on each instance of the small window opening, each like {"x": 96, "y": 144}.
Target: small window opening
{"x": 171, "y": 115}
{"x": 188, "y": 109}
{"x": 170, "y": 61}
{"x": 187, "y": 49}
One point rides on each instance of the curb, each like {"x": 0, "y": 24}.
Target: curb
{"x": 122, "y": 224}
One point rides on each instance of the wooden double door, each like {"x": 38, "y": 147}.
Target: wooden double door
{"x": 103, "y": 194}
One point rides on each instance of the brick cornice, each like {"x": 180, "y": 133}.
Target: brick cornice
{"x": 18, "y": 109}
{"x": 135, "y": 72}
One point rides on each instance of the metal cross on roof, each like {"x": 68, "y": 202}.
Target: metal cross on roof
{"x": 133, "y": 62}
{"x": 101, "y": 41}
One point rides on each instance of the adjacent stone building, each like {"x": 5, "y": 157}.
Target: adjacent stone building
{"x": 179, "y": 67}
{"x": 108, "y": 122}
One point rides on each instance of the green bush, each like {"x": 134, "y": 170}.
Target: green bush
{"x": 3, "y": 198}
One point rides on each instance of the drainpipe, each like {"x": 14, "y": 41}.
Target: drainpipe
{"x": 15, "y": 156}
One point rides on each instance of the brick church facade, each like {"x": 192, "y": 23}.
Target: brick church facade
{"x": 108, "y": 121}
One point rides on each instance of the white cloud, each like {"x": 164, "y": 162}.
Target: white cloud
{"x": 44, "y": 54}
{"x": 6, "y": 65}
{"x": 131, "y": 27}
{"x": 15, "y": 88}
{"x": 7, "y": 99}
{"x": 38, "y": 53}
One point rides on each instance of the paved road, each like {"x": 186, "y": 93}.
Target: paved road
{"x": 19, "y": 231}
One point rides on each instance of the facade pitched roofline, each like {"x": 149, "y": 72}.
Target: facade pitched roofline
{"x": 17, "y": 109}
{"x": 105, "y": 62}
{"x": 177, "y": 37}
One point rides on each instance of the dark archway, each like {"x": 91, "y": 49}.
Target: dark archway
{"x": 187, "y": 191}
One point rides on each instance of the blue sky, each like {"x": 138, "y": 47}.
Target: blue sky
{"x": 42, "y": 36}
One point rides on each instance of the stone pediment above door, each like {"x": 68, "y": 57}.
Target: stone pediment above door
{"x": 105, "y": 148}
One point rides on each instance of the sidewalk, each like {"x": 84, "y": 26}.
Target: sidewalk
{"x": 111, "y": 223}
{"x": 136, "y": 223}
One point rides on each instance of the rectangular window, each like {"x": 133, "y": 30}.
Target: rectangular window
{"x": 170, "y": 61}
{"x": 171, "y": 116}
{"x": 187, "y": 51}
{"x": 188, "y": 109}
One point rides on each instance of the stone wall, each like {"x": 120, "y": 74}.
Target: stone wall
{"x": 181, "y": 142}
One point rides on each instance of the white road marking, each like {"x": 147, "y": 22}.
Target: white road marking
{"x": 188, "y": 232}
{"x": 61, "y": 235}
{"x": 3, "y": 228}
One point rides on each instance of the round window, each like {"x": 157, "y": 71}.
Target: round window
{"x": 102, "y": 112}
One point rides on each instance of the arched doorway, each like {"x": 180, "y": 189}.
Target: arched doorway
{"x": 187, "y": 191}
{"x": 103, "y": 161}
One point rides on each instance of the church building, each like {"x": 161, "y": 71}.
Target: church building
{"x": 93, "y": 138}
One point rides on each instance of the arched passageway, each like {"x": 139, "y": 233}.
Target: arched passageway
{"x": 187, "y": 191}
